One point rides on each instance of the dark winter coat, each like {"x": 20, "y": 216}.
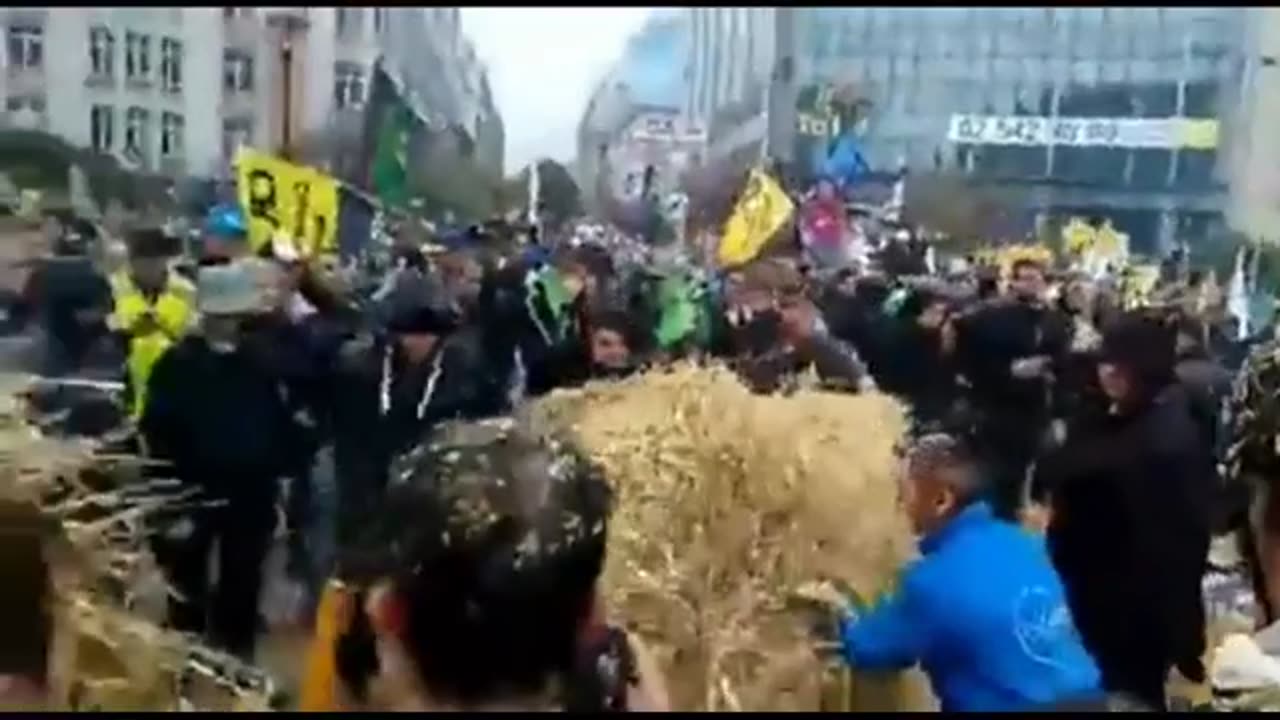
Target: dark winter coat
{"x": 59, "y": 292}
{"x": 222, "y": 420}
{"x": 366, "y": 439}
{"x": 517, "y": 318}
{"x": 922, "y": 375}
{"x": 1130, "y": 533}
{"x": 991, "y": 338}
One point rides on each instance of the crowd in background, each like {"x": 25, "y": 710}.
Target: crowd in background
{"x": 271, "y": 384}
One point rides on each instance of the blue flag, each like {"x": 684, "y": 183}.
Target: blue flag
{"x": 845, "y": 163}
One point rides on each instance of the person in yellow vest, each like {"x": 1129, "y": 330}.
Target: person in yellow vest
{"x": 153, "y": 307}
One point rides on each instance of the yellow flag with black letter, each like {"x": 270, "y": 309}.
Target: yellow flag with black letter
{"x": 762, "y": 210}
{"x": 1078, "y": 237}
{"x": 280, "y": 197}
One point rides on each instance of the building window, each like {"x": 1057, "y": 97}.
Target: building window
{"x": 137, "y": 56}
{"x": 171, "y": 132}
{"x": 135, "y": 133}
{"x": 102, "y": 52}
{"x": 26, "y": 47}
{"x": 33, "y": 104}
{"x": 237, "y": 72}
{"x": 348, "y": 87}
{"x": 235, "y": 135}
{"x": 102, "y": 127}
{"x": 171, "y": 65}
{"x": 344, "y": 20}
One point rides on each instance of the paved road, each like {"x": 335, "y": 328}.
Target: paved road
{"x": 16, "y": 352}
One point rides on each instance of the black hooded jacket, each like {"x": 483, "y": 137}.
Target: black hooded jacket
{"x": 221, "y": 419}
{"x": 1131, "y": 494}
{"x": 368, "y": 436}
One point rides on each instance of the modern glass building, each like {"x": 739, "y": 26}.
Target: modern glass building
{"x": 1051, "y": 74}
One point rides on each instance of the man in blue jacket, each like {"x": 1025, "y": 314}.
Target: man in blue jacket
{"x": 982, "y": 611}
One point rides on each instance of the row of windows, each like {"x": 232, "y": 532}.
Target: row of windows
{"x": 894, "y": 70}
{"x": 1093, "y": 25}
{"x": 1102, "y": 168}
{"x": 921, "y": 100}
{"x": 137, "y": 57}
{"x": 824, "y": 43}
{"x": 1106, "y": 168}
{"x": 724, "y": 66}
{"x": 347, "y": 20}
{"x": 137, "y": 132}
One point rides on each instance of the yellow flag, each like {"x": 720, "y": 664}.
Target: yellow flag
{"x": 763, "y": 208}
{"x": 1107, "y": 243}
{"x": 278, "y": 196}
{"x": 1078, "y": 237}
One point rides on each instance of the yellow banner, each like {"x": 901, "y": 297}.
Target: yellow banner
{"x": 296, "y": 201}
{"x": 762, "y": 210}
{"x": 1198, "y": 134}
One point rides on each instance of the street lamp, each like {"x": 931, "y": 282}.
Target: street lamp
{"x": 291, "y": 22}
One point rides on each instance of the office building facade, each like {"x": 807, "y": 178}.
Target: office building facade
{"x": 1078, "y": 107}
{"x": 176, "y": 91}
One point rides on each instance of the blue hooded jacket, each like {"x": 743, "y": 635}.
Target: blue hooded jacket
{"x": 985, "y": 615}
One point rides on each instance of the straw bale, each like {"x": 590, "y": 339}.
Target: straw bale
{"x": 104, "y": 654}
{"x": 727, "y": 504}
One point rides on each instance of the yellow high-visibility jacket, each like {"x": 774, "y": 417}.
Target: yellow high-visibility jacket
{"x": 151, "y": 326}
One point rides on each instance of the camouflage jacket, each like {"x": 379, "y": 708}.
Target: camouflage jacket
{"x": 1254, "y": 417}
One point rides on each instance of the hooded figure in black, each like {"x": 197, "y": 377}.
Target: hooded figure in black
{"x": 394, "y": 389}
{"x": 1129, "y": 531}
{"x": 923, "y": 373}
{"x": 535, "y": 319}
{"x": 221, "y": 420}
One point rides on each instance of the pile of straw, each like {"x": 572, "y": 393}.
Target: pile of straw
{"x": 104, "y": 654}
{"x": 727, "y": 504}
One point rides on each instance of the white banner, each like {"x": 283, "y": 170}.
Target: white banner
{"x": 1133, "y": 133}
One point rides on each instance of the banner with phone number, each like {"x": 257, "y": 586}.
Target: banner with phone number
{"x": 296, "y": 201}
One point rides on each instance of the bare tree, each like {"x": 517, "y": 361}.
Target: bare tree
{"x": 969, "y": 214}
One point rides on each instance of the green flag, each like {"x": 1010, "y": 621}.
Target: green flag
{"x": 391, "y": 157}
{"x": 389, "y": 128}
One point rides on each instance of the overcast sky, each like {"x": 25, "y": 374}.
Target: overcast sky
{"x": 543, "y": 64}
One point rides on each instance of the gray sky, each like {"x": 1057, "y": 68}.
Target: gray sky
{"x": 543, "y": 64}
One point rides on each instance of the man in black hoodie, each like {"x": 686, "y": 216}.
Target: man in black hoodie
{"x": 1129, "y": 530}
{"x": 1009, "y": 351}
{"x": 392, "y": 390}
{"x": 221, "y": 420}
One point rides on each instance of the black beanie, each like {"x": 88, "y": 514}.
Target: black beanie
{"x": 1143, "y": 345}
{"x": 423, "y": 320}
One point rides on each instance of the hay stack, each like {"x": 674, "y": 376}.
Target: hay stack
{"x": 103, "y": 654}
{"x": 727, "y": 503}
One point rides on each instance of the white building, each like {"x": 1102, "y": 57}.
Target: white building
{"x": 177, "y": 90}
{"x": 139, "y": 82}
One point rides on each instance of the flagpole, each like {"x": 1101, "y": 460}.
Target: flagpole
{"x": 534, "y": 194}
